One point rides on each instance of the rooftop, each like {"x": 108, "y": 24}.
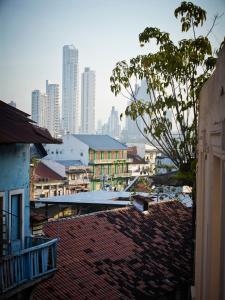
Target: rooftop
{"x": 16, "y": 127}
{"x": 94, "y": 197}
{"x": 50, "y": 169}
{"x": 121, "y": 254}
{"x": 70, "y": 163}
{"x": 100, "y": 142}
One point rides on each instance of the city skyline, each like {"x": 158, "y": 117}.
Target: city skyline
{"x": 103, "y": 32}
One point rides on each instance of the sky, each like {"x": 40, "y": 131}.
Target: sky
{"x": 33, "y": 33}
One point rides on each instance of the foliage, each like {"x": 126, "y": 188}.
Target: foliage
{"x": 174, "y": 74}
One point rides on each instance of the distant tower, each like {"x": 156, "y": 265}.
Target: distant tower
{"x": 113, "y": 124}
{"x": 88, "y": 101}
{"x": 39, "y": 108}
{"x": 70, "y": 105}
{"x": 53, "y": 108}
{"x": 131, "y": 127}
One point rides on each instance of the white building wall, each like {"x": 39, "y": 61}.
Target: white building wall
{"x": 70, "y": 149}
{"x": 70, "y": 102}
{"x": 88, "y": 101}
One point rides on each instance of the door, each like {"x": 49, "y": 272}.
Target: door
{"x": 16, "y": 222}
{"x": 1, "y": 226}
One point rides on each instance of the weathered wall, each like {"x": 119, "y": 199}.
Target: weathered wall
{"x": 14, "y": 175}
{"x": 210, "y": 239}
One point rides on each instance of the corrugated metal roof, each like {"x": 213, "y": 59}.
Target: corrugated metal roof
{"x": 94, "y": 197}
{"x": 16, "y": 127}
{"x": 100, "y": 142}
{"x": 70, "y": 163}
{"x": 55, "y": 166}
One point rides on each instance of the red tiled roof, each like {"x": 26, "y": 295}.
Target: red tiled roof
{"x": 16, "y": 127}
{"x": 121, "y": 254}
{"x": 132, "y": 150}
{"x": 42, "y": 171}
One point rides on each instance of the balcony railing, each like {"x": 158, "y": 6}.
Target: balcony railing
{"x": 79, "y": 181}
{"x": 109, "y": 177}
{"x": 38, "y": 259}
{"x": 108, "y": 161}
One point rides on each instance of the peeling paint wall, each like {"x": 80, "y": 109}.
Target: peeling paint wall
{"x": 14, "y": 178}
{"x": 210, "y": 235}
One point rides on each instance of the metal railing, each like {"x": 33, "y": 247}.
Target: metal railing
{"x": 108, "y": 161}
{"x": 109, "y": 177}
{"x": 38, "y": 259}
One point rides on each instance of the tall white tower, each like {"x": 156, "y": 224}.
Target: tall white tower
{"x": 70, "y": 104}
{"x": 39, "y": 108}
{"x": 114, "y": 124}
{"x": 88, "y": 101}
{"x": 53, "y": 108}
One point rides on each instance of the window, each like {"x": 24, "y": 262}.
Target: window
{"x": 116, "y": 169}
{"x": 2, "y": 221}
{"x": 102, "y": 155}
{"x": 117, "y": 155}
{"x": 73, "y": 176}
{"x": 16, "y": 206}
{"x": 109, "y": 154}
{"x": 109, "y": 169}
{"x": 102, "y": 170}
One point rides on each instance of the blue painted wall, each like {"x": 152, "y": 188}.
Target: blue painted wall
{"x": 14, "y": 174}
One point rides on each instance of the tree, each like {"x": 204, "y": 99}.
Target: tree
{"x": 174, "y": 74}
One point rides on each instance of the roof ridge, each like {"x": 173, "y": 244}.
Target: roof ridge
{"x": 89, "y": 214}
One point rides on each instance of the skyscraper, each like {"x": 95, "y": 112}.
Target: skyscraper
{"x": 70, "y": 104}
{"x": 88, "y": 101}
{"x": 39, "y": 108}
{"x": 53, "y": 108}
{"x": 113, "y": 124}
{"x": 132, "y": 132}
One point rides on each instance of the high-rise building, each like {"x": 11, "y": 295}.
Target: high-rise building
{"x": 70, "y": 103}
{"x": 39, "y": 108}
{"x": 88, "y": 101}
{"x": 113, "y": 124}
{"x": 53, "y": 108}
{"x": 133, "y": 127}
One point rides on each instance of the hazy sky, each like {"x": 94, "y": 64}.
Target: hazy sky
{"x": 33, "y": 32}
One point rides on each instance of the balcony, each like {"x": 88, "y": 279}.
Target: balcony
{"x": 79, "y": 181}
{"x": 109, "y": 177}
{"x": 27, "y": 267}
{"x": 123, "y": 175}
{"x": 107, "y": 161}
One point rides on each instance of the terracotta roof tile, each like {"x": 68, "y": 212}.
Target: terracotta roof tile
{"x": 120, "y": 258}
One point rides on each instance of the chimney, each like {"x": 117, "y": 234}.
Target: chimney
{"x": 141, "y": 202}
